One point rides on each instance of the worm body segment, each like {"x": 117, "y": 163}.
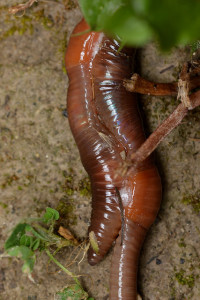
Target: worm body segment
{"x": 107, "y": 128}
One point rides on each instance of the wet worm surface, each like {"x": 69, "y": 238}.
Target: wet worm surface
{"x": 107, "y": 128}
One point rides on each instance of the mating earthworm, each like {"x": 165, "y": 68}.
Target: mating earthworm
{"x": 107, "y": 128}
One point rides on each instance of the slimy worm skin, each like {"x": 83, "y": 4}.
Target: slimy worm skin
{"x": 107, "y": 128}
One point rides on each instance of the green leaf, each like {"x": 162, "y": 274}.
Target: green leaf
{"x": 26, "y": 240}
{"x": 30, "y": 242}
{"x": 37, "y": 234}
{"x": 14, "y": 251}
{"x": 21, "y": 252}
{"x": 131, "y": 28}
{"x": 98, "y": 11}
{"x": 174, "y": 22}
{"x": 36, "y": 244}
{"x": 28, "y": 265}
{"x": 50, "y": 215}
{"x": 138, "y": 21}
{"x": 73, "y": 292}
{"x": 15, "y": 237}
{"x": 25, "y": 254}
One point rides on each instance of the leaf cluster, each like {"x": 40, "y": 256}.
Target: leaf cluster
{"x": 74, "y": 292}
{"x": 137, "y": 22}
{"x": 28, "y": 238}
{"x": 32, "y": 237}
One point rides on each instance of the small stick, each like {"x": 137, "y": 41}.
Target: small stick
{"x": 137, "y": 84}
{"x": 140, "y": 85}
{"x": 166, "y": 69}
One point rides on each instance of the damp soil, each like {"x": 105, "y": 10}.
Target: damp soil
{"x": 40, "y": 164}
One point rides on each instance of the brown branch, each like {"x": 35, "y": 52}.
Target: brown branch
{"x": 195, "y": 99}
{"x": 140, "y": 85}
{"x": 21, "y": 7}
{"x": 162, "y": 131}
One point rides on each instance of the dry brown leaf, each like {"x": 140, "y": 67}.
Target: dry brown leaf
{"x": 64, "y": 232}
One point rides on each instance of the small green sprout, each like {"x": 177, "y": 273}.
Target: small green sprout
{"x": 50, "y": 215}
{"x": 31, "y": 237}
{"x": 73, "y": 292}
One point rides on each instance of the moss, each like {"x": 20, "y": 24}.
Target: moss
{"x": 85, "y": 187}
{"x": 9, "y": 180}
{"x": 62, "y": 50}
{"x": 68, "y": 186}
{"x": 69, "y": 192}
{"x": 181, "y": 244}
{"x": 66, "y": 208}
{"x": 193, "y": 200}
{"x": 26, "y": 23}
{"x": 183, "y": 279}
{"x": 19, "y": 27}
{"x": 172, "y": 288}
{"x": 3, "y": 205}
{"x": 69, "y": 4}
{"x": 39, "y": 16}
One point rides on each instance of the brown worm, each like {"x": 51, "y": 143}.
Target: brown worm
{"x": 107, "y": 128}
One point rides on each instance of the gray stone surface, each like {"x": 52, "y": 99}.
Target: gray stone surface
{"x": 36, "y": 146}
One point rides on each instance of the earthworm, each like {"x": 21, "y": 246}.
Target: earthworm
{"x": 107, "y": 127}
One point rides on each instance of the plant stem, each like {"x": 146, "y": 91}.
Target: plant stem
{"x": 62, "y": 267}
{"x": 137, "y": 84}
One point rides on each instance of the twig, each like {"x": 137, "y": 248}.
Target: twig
{"x": 137, "y": 84}
{"x": 166, "y": 69}
{"x": 140, "y": 85}
{"x": 162, "y": 131}
{"x": 21, "y": 7}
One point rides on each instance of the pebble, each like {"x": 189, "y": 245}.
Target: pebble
{"x": 158, "y": 261}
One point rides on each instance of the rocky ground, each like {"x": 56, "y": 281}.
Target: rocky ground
{"x": 40, "y": 164}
